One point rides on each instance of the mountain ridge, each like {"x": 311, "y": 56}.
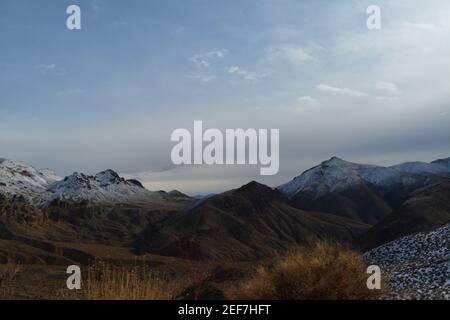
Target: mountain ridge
{"x": 40, "y": 187}
{"x": 366, "y": 193}
{"x": 334, "y": 170}
{"x": 247, "y": 223}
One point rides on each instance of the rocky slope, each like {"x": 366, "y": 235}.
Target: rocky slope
{"x": 416, "y": 266}
{"x": 248, "y": 223}
{"x": 425, "y": 209}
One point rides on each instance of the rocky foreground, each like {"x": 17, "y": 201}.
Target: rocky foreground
{"x": 417, "y": 266}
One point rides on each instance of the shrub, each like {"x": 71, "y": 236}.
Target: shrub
{"x": 324, "y": 272}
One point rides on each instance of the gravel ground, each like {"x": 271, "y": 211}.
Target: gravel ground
{"x": 416, "y": 267}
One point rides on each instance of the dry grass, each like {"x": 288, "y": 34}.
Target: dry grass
{"x": 325, "y": 272}
{"x": 106, "y": 281}
{"x": 8, "y": 274}
{"x": 102, "y": 281}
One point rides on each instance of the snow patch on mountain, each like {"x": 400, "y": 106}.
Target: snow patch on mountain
{"x": 104, "y": 187}
{"x": 439, "y": 167}
{"x": 21, "y": 181}
{"x": 417, "y": 266}
{"x": 337, "y": 174}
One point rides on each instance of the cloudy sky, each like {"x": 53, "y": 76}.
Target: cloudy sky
{"x": 110, "y": 95}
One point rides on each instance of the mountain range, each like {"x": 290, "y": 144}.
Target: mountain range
{"x": 41, "y": 187}
{"x": 363, "y": 205}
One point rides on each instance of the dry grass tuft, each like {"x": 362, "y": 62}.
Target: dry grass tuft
{"x": 106, "y": 281}
{"x": 325, "y": 272}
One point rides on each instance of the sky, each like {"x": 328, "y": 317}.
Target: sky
{"x": 110, "y": 95}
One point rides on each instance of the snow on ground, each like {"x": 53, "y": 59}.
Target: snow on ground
{"x": 417, "y": 266}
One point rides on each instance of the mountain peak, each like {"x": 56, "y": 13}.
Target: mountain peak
{"x": 105, "y": 187}
{"x": 77, "y": 180}
{"x": 337, "y": 174}
{"x": 176, "y": 193}
{"x": 257, "y": 191}
{"x": 109, "y": 172}
{"x": 442, "y": 162}
{"x": 108, "y": 177}
{"x": 335, "y": 161}
{"x": 253, "y": 185}
{"x": 103, "y": 179}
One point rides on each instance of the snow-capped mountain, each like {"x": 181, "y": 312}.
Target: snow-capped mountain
{"x": 416, "y": 266}
{"x": 104, "y": 187}
{"x": 366, "y": 193}
{"x": 19, "y": 180}
{"x": 439, "y": 167}
{"x": 337, "y": 174}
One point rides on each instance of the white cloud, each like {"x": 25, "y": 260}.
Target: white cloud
{"x": 290, "y": 53}
{"x": 306, "y": 102}
{"x": 203, "y": 78}
{"x": 388, "y": 88}
{"x": 49, "y": 68}
{"x": 307, "y": 99}
{"x": 341, "y": 91}
{"x": 244, "y": 74}
{"x": 204, "y": 59}
{"x": 46, "y": 66}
